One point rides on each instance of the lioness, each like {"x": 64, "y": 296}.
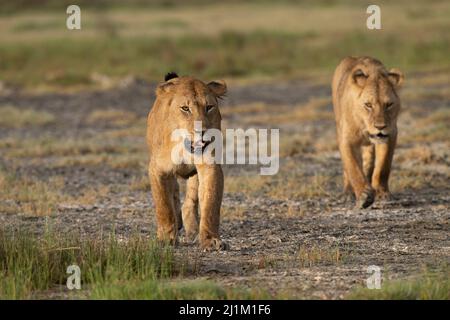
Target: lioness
{"x": 179, "y": 102}
{"x": 366, "y": 106}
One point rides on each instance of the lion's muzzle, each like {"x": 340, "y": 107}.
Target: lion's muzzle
{"x": 197, "y": 147}
{"x": 379, "y": 137}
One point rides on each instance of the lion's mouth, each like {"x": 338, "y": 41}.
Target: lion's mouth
{"x": 198, "y": 147}
{"x": 379, "y": 136}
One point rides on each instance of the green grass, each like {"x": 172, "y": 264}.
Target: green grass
{"x": 428, "y": 286}
{"x": 34, "y": 26}
{"x": 111, "y": 268}
{"x": 63, "y": 63}
{"x": 180, "y": 289}
{"x": 9, "y": 7}
{"x": 211, "y": 41}
{"x": 29, "y": 265}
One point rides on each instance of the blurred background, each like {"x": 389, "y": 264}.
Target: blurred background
{"x": 233, "y": 39}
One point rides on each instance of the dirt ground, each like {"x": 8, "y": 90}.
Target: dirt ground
{"x": 310, "y": 243}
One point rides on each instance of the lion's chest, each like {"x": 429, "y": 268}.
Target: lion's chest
{"x": 185, "y": 170}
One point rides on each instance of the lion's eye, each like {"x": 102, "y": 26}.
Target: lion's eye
{"x": 389, "y": 104}
{"x": 185, "y": 108}
{"x": 209, "y": 107}
{"x": 368, "y": 105}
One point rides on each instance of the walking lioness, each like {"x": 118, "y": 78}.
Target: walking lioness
{"x": 181, "y": 101}
{"x": 366, "y": 106}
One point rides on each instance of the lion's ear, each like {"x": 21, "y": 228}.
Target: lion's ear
{"x": 359, "y": 77}
{"x": 219, "y": 88}
{"x": 396, "y": 77}
{"x": 167, "y": 85}
{"x": 163, "y": 88}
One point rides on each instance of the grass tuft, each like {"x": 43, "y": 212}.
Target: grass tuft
{"x": 111, "y": 268}
{"x": 428, "y": 286}
{"x": 29, "y": 196}
{"x": 314, "y": 255}
{"x": 13, "y": 117}
{"x": 113, "y": 117}
{"x": 29, "y": 265}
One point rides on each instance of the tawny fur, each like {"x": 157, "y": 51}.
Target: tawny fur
{"x": 205, "y": 181}
{"x": 366, "y": 107}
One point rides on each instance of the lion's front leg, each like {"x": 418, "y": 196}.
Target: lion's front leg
{"x": 348, "y": 194}
{"x": 384, "y": 152}
{"x": 190, "y": 208}
{"x": 210, "y": 199}
{"x": 162, "y": 187}
{"x": 351, "y": 158}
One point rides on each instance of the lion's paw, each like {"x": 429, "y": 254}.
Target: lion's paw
{"x": 189, "y": 238}
{"x": 213, "y": 244}
{"x": 366, "y": 199}
{"x": 384, "y": 195}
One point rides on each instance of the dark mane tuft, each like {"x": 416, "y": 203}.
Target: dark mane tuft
{"x": 170, "y": 75}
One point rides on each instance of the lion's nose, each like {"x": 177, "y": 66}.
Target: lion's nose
{"x": 380, "y": 126}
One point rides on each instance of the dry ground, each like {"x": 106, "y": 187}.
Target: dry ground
{"x": 77, "y": 161}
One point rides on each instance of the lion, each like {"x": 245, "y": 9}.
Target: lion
{"x": 366, "y": 106}
{"x": 179, "y": 102}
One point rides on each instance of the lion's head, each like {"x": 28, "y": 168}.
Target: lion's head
{"x": 377, "y": 104}
{"x": 188, "y": 102}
